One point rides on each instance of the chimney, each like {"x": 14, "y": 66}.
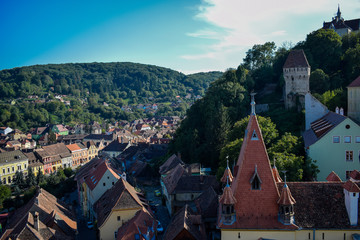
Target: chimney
{"x": 337, "y": 110}
{"x": 179, "y": 155}
{"x": 341, "y": 111}
{"x": 351, "y": 191}
{"x": 36, "y": 221}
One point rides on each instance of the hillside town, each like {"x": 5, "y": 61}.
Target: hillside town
{"x": 126, "y": 185}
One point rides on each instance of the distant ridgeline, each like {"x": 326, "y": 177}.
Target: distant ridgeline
{"x": 83, "y": 92}
{"x": 124, "y": 80}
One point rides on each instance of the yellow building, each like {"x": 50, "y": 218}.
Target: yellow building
{"x": 92, "y": 149}
{"x": 10, "y": 162}
{"x": 115, "y": 207}
{"x": 34, "y": 163}
{"x": 257, "y": 204}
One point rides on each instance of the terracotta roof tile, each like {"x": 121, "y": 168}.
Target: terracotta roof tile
{"x": 286, "y": 198}
{"x": 169, "y": 164}
{"x": 95, "y": 174}
{"x": 227, "y": 197}
{"x": 351, "y": 186}
{"x": 296, "y": 58}
{"x": 355, "y": 175}
{"x": 73, "y": 147}
{"x": 276, "y": 175}
{"x": 227, "y": 175}
{"x": 355, "y": 83}
{"x": 333, "y": 177}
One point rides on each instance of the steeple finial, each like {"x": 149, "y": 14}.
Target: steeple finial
{"x": 284, "y": 172}
{"x": 338, "y": 12}
{"x": 274, "y": 163}
{"x": 227, "y": 161}
{"x": 252, "y": 103}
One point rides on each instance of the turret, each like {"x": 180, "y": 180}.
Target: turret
{"x": 227, "y": 173}
{"x": 227, "y": 202}
{"x": 286, "y": 206}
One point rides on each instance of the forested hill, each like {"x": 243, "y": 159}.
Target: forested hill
{"x": 120, "y": 80}
{"x": 104, "y": 92}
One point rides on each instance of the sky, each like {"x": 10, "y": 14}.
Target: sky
{"x": 185, "y": 35}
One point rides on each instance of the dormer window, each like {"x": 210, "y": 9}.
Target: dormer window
{"x": 255, "y": 180}
{"x": 254, "y": 136}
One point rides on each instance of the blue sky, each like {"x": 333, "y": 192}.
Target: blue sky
{"x": 184, "y": 35}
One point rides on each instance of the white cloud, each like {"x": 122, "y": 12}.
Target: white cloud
{"x": 236, "y": 25}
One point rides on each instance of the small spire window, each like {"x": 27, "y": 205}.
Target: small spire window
{"x": 254, "y": 136}
{"x": 255, "y": 180}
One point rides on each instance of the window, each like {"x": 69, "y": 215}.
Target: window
{"x": 25, "y": 166}
{"x": 357, "y": 139}
{"x": 113, "y": 183}
{"x": 347, "y": 139}
{"x": 3, "y": 170}
{"x": 254, "y": 136}
{"x": 4, "y": 180}
{"x": 336, "y": 139}
{"x": 13, "y": 168}
{"x": 349, "y": 156}
{"x": 104, "y": 184}
{"x": 118, "y": 218}
{"x": 19, "y": 167}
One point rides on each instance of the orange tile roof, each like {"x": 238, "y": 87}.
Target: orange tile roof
{"x": 296, "y": 58}
{"x": 355, "y": 83}
{"x": 227, "y": 175}
{"x": 227, "y": 197}
{"x": 97, "y": 173}
{"x": 351, "y": 186}
{"x": 333, "y": 177}
{"x": 73, "y": 147}
{"x": 286, "y": 198}
{"x": 256, "y": 209}
{"x": 276, "y": 174}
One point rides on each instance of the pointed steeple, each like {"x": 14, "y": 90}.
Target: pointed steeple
{"x": 254, "y": 186}
{"x": 276, "y": 173}
{"x": 227, "y": 173}
{"x": 227, "y": 202}
{"x": 338, "y": 14}
{"x": 286, "y": 206}
{"x": 252, "y": 103}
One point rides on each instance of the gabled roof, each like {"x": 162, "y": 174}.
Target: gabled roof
{"x": 58, "y": 149}
{"x": 172, "y": 179}
{"x": 169, "y": 164}
{"x": 295, "y": 59}
{"x": 54, "y": 215}
{"x": 195, "y": 184}
{"x": 143, "y": 223}
{"x": 319, "y": 205}
{"x": 96, "y": 174}
{"x": 355, "y": 175}
{"x": 333, "y": 177}
{"x": 73, "y": 147}
{"x": 185, "y": 224}
{"x": 207, "y": 203}
{"x": 116, "y": 146}
{"x": 121, "y": 196}
{"x": 351, "y": 186}
{"x": 99, "y": 137}
{"x": 355, "y": 83}
{"x": 321, "y": 127}
{"x": 12, "y": 156}
{"x": 255, "y": 209}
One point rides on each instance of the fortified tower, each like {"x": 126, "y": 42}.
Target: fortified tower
{"x": 296, "y": 72}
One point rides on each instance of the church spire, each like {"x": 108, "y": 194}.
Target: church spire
{"x": 252, "y": 103}
{"x": 338, "y": 14}
{"x": 227, "y": 173}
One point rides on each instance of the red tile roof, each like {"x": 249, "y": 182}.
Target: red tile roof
{"x": 333, "y": 177}
{"x": 227, "y": 197}
{"x": 276, "y": 174}
{"x": 227, "y": 175}
{"x": 296, "y": 58}
{"x": 286, "y": 198}
{"x": 96, "y": 174}
{"x": 355, "y": 175}
{"x": 355, "y": 83}
{"x": 73, "y": 147}
{"x": 256, "y": 209}
{"x": 351, "y": 186}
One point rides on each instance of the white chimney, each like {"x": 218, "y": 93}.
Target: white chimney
{"x": 341, "y": 111}
{"x": 337, "y": 110}
{"x": 351, "y": 191}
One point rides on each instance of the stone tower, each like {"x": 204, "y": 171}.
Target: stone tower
{"x": 354, "y": 99}
{"x": 296, "y": 72}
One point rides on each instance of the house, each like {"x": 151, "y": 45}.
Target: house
{"x": 62, "y": 151}
{"x": 354, "y": 99}
{"x": 92, "y": 149}
{"x": 334, "y": 142}
{"x": 95, "y": 128}
{"x": 13, "y": 145}
{"x": 59, "y": 129}
{"x": 38, "y": 132}
{"x": 34, "y": 163}
{"x": 179, "y": 187}
{"x": 258, "y": 205}
{"x": 115, "y": 148}
{"x": 51, "y": 160}
{"x": 185, "y": 224}
{"x": 93, "y": 179}
{"x": 10, "y": 163}
{"x": 314, "y": 110}
{"x": 79, "y": 155}
{"x": 341, "y": 26}
{"x": 43, "y": 217}
{"x": 116, "y": 206}
{"x": 5, "y": 130}
{"x": 142, "y": 226}
{"x": 296, "y": 72}
{"x": 169, "y": 164}
{"x": 100, "y": 138}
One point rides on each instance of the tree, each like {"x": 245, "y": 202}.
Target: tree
{"x": 19, "y": 179}
{"x": 30, "y": 180}
{"x": 5, "y": 192}
{"x": 259, "y": 55}
{"x": 319, "y": 81}
{"x": 40, "y": 178}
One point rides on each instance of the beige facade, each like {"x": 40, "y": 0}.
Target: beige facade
{"x": 354, "y": 103}
{"x": 115, "y": 220}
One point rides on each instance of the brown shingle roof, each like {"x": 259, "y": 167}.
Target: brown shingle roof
{"x": 207, "y": 203}
{"x": 296, "y": 58}
{"x": 227, "y": 197}
{"x": 54, "y": 215}
{"x": 58, "y": 149}
{"x": 355, "y": 175}
{"x": 182, "y": 226}
{"x": 169, "y": 164}
{"x": 121, "y": 196}
{"x": 355, "y": 83}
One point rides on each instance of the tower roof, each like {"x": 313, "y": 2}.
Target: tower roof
{"x": 227, "y": 175}
{"x": 227, "y": 197}
{"x": 255, "y": 208}
{"x": 276, "y": 174}
{"x": 333, "y": 177}
{"x": 351, "y": 186}
{"x": 355, "y": 83}
{"x": 296, "y": 58}
{"x": 286, "y": 198}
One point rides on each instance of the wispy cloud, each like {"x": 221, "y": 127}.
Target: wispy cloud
{"x": 236, "y": 25}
